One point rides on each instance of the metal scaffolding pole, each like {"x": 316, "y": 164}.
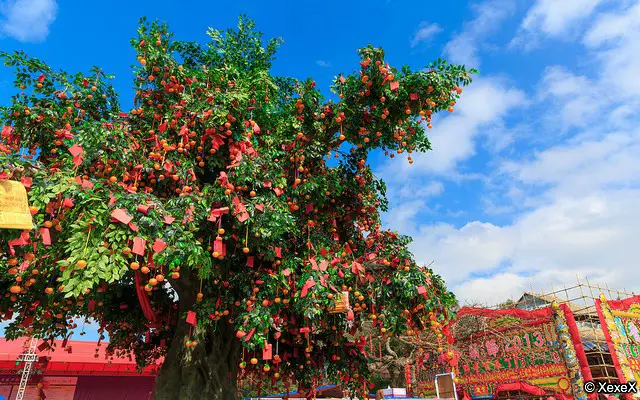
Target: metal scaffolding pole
{"x": 29, "y": 357}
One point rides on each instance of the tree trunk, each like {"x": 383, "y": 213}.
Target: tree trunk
{"x": 207, "y": 371}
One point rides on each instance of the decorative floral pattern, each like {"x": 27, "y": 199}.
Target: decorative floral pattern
{"x": 569, "y": 352}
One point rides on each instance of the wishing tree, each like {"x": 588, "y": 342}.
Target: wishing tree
{"x": 211, "y": 226}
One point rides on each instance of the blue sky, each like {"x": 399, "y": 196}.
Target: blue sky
{"x": 535, "y": 178}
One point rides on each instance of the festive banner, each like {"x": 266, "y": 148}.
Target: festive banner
{"x": 620, "y": 320}
{"x": 536, "y": 348}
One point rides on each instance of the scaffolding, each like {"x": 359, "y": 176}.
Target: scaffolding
{"x": 580, "y": 298}
{"x": 30, "y": 356}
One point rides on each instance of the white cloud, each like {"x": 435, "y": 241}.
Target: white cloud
{"x": 27, "y": 20}
{"x": 574, "y": 202}
{"x": 590, "y": 236}
{"x": 578, "y": 107}
{"x": 553, "y": 18}
{"x": 580, "y": 216}
{"x": 463, "y": 48}
{"x": 492, "y": 290}
{"x": 611, "y": 161}
{"x": 323, "y": 63}
{"x": 616, "y": 38}
{"x": 613, "y": 25}
{"x": 425, "y": 33}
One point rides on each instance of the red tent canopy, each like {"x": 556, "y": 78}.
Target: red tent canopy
{"x": 80, "y": 360}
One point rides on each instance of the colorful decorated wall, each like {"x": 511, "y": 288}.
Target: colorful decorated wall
{"x": 620, "y": 320}
{"x": 423, "y": 372}
{"x": 537, "y": 352}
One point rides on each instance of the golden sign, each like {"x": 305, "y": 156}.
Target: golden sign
{"x": 341, "y": 304}
{"x": 14, "y": 206}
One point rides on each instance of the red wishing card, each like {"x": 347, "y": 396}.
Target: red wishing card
{"x": 266, "y": 352}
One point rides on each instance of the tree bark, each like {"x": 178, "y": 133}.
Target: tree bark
{"x": 208, "y": 370}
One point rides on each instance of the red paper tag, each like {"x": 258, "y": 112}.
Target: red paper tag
{"x": 278, "y": 191}
{"x": 413, "y": 96}
{"x": 422, "y": 290}
{"x": 27, "y": 321}
{"x": 168, "y": 219}
{"x": 260, "y": 207}
{"x": 138, "y": 246}
{"x": 159, "y": 245}
{"x": 121, "y": 215}
{"x": 307, "y": 285}
{"x": 243, "y": 216}
{"x": 278, "y": 252}
{"x": 76, "y": 150}
{"x": 68, "y": 203}
{"x": 26, "y": 181}
{"x": 250, "y": 261}
{"x": 250, "y": 334}
{"x": 394, "y": 85}
{"x": 266, "y": 352}
{"x": 143, "y": 209}
{"x": 46, "y": 236}
{"x": 191, "y": 318}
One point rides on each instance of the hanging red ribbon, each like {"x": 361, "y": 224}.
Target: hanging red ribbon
{"x": 145, "y": 303}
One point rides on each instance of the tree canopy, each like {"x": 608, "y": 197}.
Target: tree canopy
{"x": 226, "y": 199}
